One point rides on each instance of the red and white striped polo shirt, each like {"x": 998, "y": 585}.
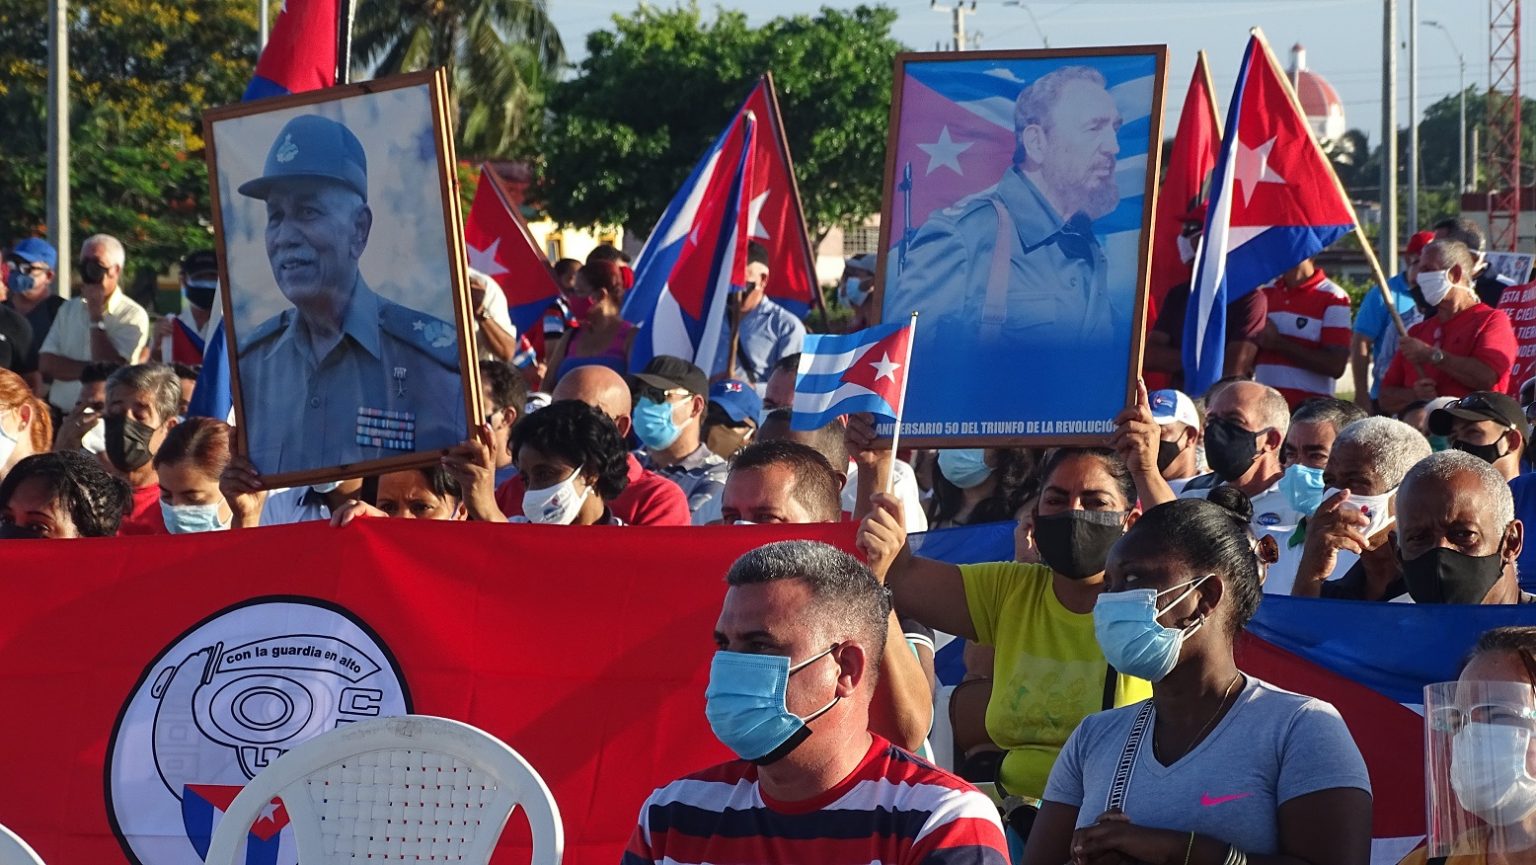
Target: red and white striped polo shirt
{"x": 1316, "y": 314}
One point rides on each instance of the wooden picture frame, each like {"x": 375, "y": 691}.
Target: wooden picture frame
{"x": 1001, "y": 356}
{"x": 388, "y": 379}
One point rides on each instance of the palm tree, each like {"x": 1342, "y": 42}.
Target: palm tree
{"x": 500, "y": 54}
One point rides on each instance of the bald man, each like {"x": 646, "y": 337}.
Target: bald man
{"x": 650, "y": 499}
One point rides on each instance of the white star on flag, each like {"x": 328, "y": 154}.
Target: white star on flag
{"x": 1253, "y": 168}
{"x": 885, "y": 367}
{"x": 268, "y": 812}
{"x": 484, "y": 260}
{"x": 755, "y": 217}
{"x": 945, "y": 153}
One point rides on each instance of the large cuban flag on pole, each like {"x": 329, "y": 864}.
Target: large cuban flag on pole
{"x": 1275, "y": 202}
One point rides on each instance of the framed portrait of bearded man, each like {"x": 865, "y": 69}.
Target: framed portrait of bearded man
{"x": 1018, "y": 200}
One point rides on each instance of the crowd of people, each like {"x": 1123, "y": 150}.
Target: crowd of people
{"x": 1107, "y": 642}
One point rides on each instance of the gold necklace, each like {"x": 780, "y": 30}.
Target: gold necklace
{"x": 1208, "y": 724}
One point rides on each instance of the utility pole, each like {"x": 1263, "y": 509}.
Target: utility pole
{"x": 962, "y": 41}
{"x": 1461, "y": 139}
{"x": 261, "y": 27}
{"x": 58, "y": 141}
{"x": 1388, "y": 238}
{"x": 1413, "y": 116}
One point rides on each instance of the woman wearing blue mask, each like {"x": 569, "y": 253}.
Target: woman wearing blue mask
{"x": 1217, "y": 767}
{"x": 1048, "y": 672}
{"x": 189, "y": 465}
{"x": 981, "y": 485}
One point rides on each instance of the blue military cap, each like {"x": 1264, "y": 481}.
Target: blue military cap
{"x": 314, "y": 148}
{"x": 36, "y": 251}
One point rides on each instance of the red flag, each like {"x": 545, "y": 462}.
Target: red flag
{"x": 500, "y": 246}
{"x": 775, "y": 217}
{"x": 1184, "y": 188}
{"x": 301, "y": 54}
{"x": 142, "y": 671}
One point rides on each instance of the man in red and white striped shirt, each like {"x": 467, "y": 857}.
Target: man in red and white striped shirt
{"x": 800, "y": 636}
{"x": 1305, "y": 346}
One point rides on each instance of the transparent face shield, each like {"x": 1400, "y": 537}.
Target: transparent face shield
{"x": 1480, "y": 767}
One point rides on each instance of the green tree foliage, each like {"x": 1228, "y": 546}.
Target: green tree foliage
{"x": 502, "y": 55}
{"x": 141, "y": 74}
{"x": 655, "y": 91}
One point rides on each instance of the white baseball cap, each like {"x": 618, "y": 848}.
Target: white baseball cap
{"x": 1173, "y": 406}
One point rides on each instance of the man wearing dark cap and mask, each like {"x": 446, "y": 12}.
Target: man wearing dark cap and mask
{"x": 344, "y": 376}
{"x": 1487, "y": 425}
{"x": 1457, "y": 534}
{"x": 200, "y": 286}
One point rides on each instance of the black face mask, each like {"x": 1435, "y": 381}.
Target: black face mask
{"x": 13, "y": 532}
{"x": 1487, "y": 453}
{"x": 1445, "y": 576}
{"x": 1229, "y": 448}
{"x": 1167, "y": 452}
{"x": 92, "y": 272}
{"x": 202, "y": 298}
{"x": 1076, "y": 544}
{"x": 127, "y": 442}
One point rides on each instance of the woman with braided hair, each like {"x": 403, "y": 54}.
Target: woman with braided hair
{"x": 61, "y": 495}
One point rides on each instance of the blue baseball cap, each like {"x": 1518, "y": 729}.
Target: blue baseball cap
{"x": 739, "y": 400}
{"x": 1173, "y": 406}
{"x": 36, "y": 250}
{"x": 312, "y": 147}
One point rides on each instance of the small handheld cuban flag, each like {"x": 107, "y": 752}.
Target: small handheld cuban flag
{"x": 863, "y": 371}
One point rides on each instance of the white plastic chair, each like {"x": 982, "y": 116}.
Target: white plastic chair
{"x": 14, "y": 851}
{"x": 406, "y": 789}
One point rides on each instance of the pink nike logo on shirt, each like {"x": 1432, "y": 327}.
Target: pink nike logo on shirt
{"x": 1209, "y": 801}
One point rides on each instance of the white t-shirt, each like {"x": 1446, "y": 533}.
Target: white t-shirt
{"x": 127, "y": 326}
{"x": 1273, "y": 516}
{"x": 906, "y": 490}
{"x": 496, "y": 310}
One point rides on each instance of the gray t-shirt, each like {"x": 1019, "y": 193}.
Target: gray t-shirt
{"x": 1271, "y": 747}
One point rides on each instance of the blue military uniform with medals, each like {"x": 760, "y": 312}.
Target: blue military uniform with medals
{"x": 390, "y": 386}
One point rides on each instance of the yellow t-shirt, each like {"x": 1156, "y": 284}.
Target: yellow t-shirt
{"x": 1048, "y": 673}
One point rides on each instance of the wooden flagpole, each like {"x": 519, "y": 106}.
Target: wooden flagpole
{"x": 1365, "y": 243}
{"x": 901, "y": 405}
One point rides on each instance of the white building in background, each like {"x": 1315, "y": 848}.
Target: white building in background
{"x": 1319, "y": 101}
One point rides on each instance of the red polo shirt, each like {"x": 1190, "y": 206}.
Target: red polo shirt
{"x": 1479, "y": 332}
{"x": 649, "y": 500}
{"x": 145, "y": 518}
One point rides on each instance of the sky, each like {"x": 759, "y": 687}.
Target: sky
{"x": 1343, "y": 38}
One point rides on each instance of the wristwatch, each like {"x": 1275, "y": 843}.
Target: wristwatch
{"x": 100, "y": 325}
{"x": 1436, "y": 356}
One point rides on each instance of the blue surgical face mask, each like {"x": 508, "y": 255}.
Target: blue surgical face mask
{"x": 965, "y": 468}
{"x": 327, "y": 487}
{"x": 1126, "y": 626}
{"x": 654, "y": 424}
{"x": 1303, "y": 487}
{"x": 857, "y": 290}
{"x": 19, "y": 282}
{"x": 745, "y": 704}
{"x": 187, "y": 519}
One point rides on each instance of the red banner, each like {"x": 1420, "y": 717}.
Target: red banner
{"x": 147, "y": 678}
{"x": 1519, "y": 303}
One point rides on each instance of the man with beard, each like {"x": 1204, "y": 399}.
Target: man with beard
{"x": 344, "y": 376}
{"x": 1028, "y": 264}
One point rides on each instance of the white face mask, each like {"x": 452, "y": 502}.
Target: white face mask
{"x": 8, "y": 441}
{"x": 1186, "y": 249}
{"x": 95, "y": 439}
{"x": 557, "y": 505}
{"x": 1488, "y": 772}
{"x": 1377, "y": 509}
{"x": 1435, "y": 285}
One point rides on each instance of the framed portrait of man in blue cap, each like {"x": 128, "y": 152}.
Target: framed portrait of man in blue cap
{"x": 1019, "y": 192}
{"x": 341, "y": 252}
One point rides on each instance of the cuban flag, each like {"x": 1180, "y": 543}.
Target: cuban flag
{"x": 500, "y": 246}
{"x": 696, "y": 255}
{"x": 203, "y": 806}
{"x": 1275, "y": 202}
{"x": 185, "y": 344}
{"x": 300, "y": 55}
{"x": 863, "y": 371}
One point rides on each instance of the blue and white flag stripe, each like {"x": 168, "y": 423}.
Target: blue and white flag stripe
{"x": 821, "y": 395}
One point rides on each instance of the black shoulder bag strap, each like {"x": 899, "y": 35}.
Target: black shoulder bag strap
{"x": 1127, "y": 764}
{"x": 1111, "y": 681}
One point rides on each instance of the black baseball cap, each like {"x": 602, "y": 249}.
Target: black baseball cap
{"x": 1480, "y": 405}
{"x": 667, "y": 372}
{"x": 201, "y": 261}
